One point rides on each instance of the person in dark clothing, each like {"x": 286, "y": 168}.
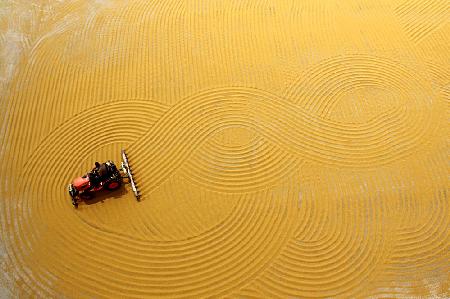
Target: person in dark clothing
{"x": 102, "y": 170}
{"x": 94, "y": 176}
{"x": 98, "y": 174}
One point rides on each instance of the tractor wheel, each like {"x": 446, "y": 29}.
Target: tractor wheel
{"x": 74, "y": 203}
{"x": 113, "y": 185}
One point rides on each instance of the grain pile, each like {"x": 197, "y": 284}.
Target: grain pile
{"x": 283, "y": 148}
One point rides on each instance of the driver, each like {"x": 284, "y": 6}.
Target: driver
{"x": 102, "y": 170}
{"x": 94, "y": 177}
{"x": 98, "y": 173}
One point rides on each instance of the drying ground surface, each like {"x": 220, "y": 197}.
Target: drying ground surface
{"x": 283, "y": 148}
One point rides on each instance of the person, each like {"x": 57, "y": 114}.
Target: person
{"x": 94, "y": 176}
{"x": 102, "y": 170}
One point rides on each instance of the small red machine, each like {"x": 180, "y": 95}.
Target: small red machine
{"x": 102, "y": 176}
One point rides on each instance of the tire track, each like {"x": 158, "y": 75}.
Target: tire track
{"x": 238, "y": 169}
{"x": 332, "y": 262}
{"x": 309, "y": 136}
{"x": 421, "y": 18}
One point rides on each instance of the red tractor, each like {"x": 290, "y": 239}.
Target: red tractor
{"x": 103, "y": 176}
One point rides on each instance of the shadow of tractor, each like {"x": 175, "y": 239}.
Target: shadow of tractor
{"x": 103, "y": 195}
